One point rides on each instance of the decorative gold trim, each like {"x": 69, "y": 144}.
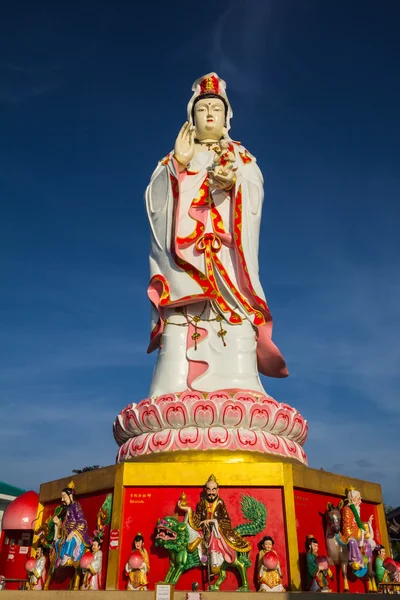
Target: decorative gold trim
{"x": 383, "y": 526}
{"x": 85, "y": 483}
{"x": 294, "y": 577}
{"x": 331, "y": 483}
{"x": 38, "y": 522}
{"x": 231, "y": 468}
{"x": 114, "y": 556}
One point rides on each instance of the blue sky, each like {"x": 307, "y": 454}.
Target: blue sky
{"x": 92, "y": 95}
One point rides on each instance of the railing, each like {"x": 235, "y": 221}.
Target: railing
{"x": 4, "y": 580}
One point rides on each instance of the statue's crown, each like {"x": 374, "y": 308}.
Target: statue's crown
{"x": 213, "y": 479}
{"x": 209, "y": 85}
{"x": 71, "y": 485}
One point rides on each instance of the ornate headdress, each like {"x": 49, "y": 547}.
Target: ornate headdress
{"x": 210, "y": 84}
{"x": 350, "y": 492}
{"x": 71, "y": 485}
{"x": 213, "y": 479}
{"x": 311, "y": 538}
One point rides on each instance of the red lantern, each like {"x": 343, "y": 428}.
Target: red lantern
{"x": 30, "y": 564}
{"x": 135, "y": 560}
{"x": 270, "y": 560}
{"x": 323, "y": 562}
{"x": 86, "y": 560}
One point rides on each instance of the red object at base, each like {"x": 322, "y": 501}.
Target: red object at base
{"x": 30, "y": 564}
{"x": 323, "y": 562}
{"x": 135, "y": 560}
{"x": 270, "y": 560}
{"x": 86, "y": 560}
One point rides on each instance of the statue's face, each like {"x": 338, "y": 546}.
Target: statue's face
{"x": 209, "y": 119}
{"x": 357, "y": 498}
{"x": 211, "y": 490}
{"x": 314, "y": 548}
{"x": 66, "y": 498}
{"x": 382, "y": 553}
{"x": 267, "y": 545}
{"x": 95, "y": 546}
{"x": 39, "y": 552}
{"x": 139, "y": 544}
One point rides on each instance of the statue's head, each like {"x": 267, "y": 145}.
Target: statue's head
{"x": 313, "y": 545}
{"x": 267, "y": 543}
{"x": 39, "y": 552}
{"x": 354, "y": 496}
{"x": 211, "y": 489}
{"x": 138, "y": 542}
{"x": 68, "y": 494}
{"x": 209, "y": 118}
{"x": 209, "y": 109}
{"x": 381, "y": 552}
{"x": 96, "y": 544}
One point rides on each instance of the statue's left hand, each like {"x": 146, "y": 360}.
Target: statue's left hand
{"x": 223, "y": 182}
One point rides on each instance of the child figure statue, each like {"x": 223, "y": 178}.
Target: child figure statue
{"x": 138, "y": 566}
{"x": 269, "y": 574}
{"x": 37, "y": 576}
{"x": 92, "y": 575}
{"x": 225, "y": 159}
{"x": 318, "y": 570}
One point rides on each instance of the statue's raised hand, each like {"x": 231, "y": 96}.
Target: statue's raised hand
{"x": 184, "y": 145}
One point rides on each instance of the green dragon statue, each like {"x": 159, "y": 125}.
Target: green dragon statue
{"x": 186, "y": 547}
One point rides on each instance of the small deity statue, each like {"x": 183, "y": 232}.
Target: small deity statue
{"x": 210, "y": 320}
{"x": 71, "y": 538}
{"x": 358, "y": 535}
{"x": 269, "y": 570}
{"x": 211, "y": 518}
{"x": 37, "y": 576}
{"x": 206, "y": 537}
{"x": 382, "y": 575}
{"x": 225, "y": 159}
{"x": 138, "y": 566}
{"x": 92, "y": 574}
{"x": 318, "y": 569}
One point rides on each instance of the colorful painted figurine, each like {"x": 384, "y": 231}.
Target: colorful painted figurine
{"x": 337, "y": 549}
{"x": 37, "y": 576}
{"x": 206, "y": 537}
{"x": 269, "y": 570}
{"x": 356, "y": 532}
{"x": 393, "y": 569}
{"x": 91, "y": 562}
{"x": 225, "y": 159}
{"x": 382, "y": 574}
{"x": 92, "y": 573}
{"x": 138, "y": 566}
{"x": 318, "y": 570}
{"x": 69, "y": 534}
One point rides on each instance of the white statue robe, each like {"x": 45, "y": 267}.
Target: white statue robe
{"x": 204, "y": 261}
{"x": 93, "y": 575}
